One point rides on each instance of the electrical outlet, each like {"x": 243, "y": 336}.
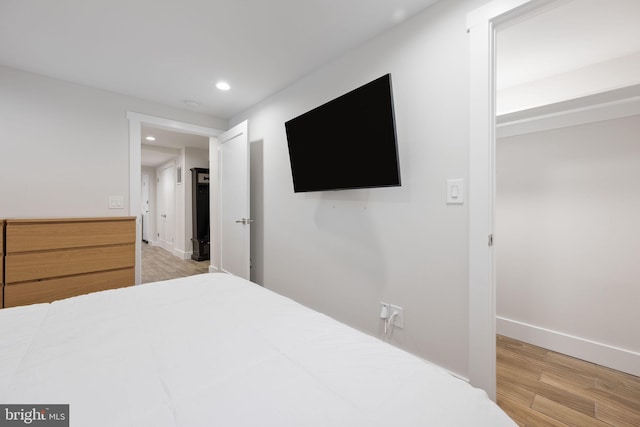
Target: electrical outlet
{"x": 398, "y": 319}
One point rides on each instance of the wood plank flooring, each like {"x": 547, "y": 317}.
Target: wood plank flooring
{"x": 158, "y": 264}
{"x": 539, "y": 387}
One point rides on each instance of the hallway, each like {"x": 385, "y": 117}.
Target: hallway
{"x": 158, "y": 264}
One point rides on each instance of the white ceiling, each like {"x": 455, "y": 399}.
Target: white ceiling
{"x": 172, "y": 51}
{"x": 167, "y": 145}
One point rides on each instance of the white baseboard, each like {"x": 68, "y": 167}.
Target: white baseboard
{"x": 213, "y": 269}
{"x": 581, "y": 348}
{"x": 173, "y": 251}
{"x": 164, "y": 245}
{"x": 182, "y": 254}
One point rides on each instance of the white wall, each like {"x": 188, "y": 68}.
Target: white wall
{"x": 180, "y": 248}
{"x": 152, "y": 235}
{"x": 65, "y": 147}
{"x": 568, "y": 240}
{"x": 344, "y": 252}
{"x": 596, "y": 78}
{"x": 256, "y": 204}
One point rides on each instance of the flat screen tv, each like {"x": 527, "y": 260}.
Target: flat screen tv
{"x": 349, "y": 142}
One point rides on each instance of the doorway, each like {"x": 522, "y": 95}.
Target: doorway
{"x": 221, "y": 216}
{"x": 482, "y": 26}
{"x": 136, "y": 123}
{"x": 566, "y": 175}
{"x": 168, "y": 157}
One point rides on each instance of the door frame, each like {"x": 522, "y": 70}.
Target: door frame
{"x": 145, "y": 237}
{"x": 136, "y": 120}
{"x": 481, "y": 26}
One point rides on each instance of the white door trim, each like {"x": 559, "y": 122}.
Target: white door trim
{"x": 481, "y": 26}
{"x": 135, "y": 160}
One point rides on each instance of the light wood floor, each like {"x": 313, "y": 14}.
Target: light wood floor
{"x": 158, "y": 264}
{"x": 538, "y": 387}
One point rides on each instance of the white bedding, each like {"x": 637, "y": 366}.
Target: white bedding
{"x": 216, "y": 350}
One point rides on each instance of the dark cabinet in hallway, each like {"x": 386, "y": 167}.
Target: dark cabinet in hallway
{"x": 200, "y": 212}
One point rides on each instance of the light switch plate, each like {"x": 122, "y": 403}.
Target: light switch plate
{"x": 455, "y": 191}
{"x": 116, "y": 202}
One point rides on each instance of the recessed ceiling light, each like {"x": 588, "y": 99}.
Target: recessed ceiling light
{"x": 150, "y": 138}
{"x": 223, "y": 86}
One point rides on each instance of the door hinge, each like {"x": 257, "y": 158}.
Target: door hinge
{"x": 490, "y": 239}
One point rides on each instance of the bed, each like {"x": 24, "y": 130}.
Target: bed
{"x": 217, "y": 350}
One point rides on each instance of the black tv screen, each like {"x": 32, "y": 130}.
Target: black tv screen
{"x": 349, "y": 142}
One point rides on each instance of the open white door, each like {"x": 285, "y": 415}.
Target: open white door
{"x": 235, "y": 229}
{"x": 166, "y": 206}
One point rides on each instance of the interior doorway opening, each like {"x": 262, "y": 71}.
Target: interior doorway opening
{"x": 168, "y": 158}
{"x": 138, "y": 122}
{"x": 482, "y": 26}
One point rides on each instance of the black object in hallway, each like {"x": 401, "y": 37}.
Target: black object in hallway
{"x": 200, "y": 212}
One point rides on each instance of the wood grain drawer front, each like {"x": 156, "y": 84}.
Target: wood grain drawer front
{"x": 1, "y": 262}
{"x": 40, "y": 235}
{"x": 55, "y": 289}
{"x": 1, "y": 257}
{"x": 23, "y": 267}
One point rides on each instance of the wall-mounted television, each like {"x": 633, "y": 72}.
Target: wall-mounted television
{"x": 349, "y": 142}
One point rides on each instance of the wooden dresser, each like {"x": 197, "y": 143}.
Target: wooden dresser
{"x": 51, "y": 259}
{"x": 2, "y": 262}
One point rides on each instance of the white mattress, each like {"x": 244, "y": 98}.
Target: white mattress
{"x": 216, "y": 350}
